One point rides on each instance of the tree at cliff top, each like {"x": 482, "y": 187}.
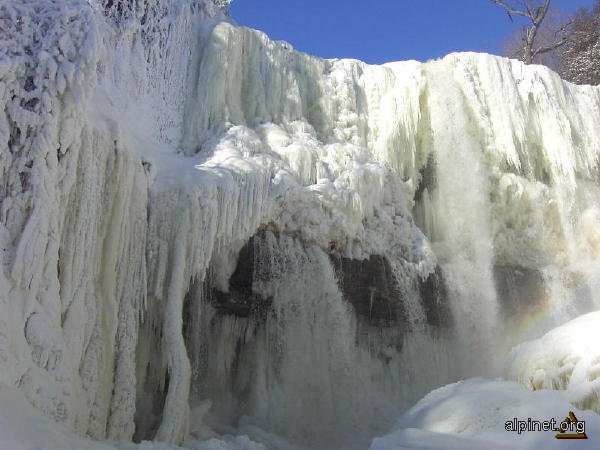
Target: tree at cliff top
{"x": 535, "y": 39}
{"x": 568, "y": 45}
{"x": 581, "y": 54}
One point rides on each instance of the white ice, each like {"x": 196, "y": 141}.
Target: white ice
{"x": 566, "y": 358}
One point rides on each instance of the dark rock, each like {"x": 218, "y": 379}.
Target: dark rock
{"x": 434, "y": 298}
{"x": 518, "y": 288}
{"x": 368, "y": 284}
{"x": 370, "y": 287}
{"x": 242, "y": 304}
{"x": 427, "y": 179}
{"x": 241, "y": 300}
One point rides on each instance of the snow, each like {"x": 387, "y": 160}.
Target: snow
{"x": 566, "y": 358}
{"x": 143, "y": 144}
{"x": 23, "y": 427}
{"x": 472, "y": 414}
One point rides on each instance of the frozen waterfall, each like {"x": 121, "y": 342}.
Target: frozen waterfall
{"x": 194, "y": 216}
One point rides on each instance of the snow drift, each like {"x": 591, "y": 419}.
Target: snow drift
{"x": 472, "y": 414}
{"x": 191, "y": 211}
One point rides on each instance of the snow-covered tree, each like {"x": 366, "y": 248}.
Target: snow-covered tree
{"x": 581, "y": 54}
{"x": 125, "y": 8}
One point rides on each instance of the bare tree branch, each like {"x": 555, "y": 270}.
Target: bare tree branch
{"x": 542, "y": 50}
{"x": 536, "y": 13}
{"x": 511, "y": 11}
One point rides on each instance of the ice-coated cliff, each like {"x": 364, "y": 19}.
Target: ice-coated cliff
{"x": 190, "y": 211}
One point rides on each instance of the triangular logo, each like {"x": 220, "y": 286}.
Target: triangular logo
{"x": 572, "y": 424}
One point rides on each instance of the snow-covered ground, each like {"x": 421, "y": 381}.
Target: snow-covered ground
{"x": 23, "y": 427}
{"x": 472, "y": 415}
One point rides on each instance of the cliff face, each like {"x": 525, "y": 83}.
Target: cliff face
{"x": 189, "y": 210}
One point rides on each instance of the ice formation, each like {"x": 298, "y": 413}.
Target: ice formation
{"x": 566, "y": 358}
{"x": 190, "y": 211}
{"x": 25, "y": 428}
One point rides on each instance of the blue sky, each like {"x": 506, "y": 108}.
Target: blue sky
{"x": 378, "y": 31}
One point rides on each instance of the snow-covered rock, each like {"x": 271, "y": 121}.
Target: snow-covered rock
{"x": 566, "y": 358}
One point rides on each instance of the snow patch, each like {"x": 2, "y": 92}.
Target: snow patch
{"x": 472, "y": 414}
